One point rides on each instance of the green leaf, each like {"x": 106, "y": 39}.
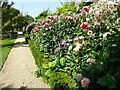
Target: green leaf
{"x": 62, "y": 61}
{"x": 76, "y": 60}
{"x": 108, "y": 80}
{"x": 48, "y": 72}
{"x": 68, "y": 57}
{"x": 46, "y": 66}
{"x": 52, "y": 64}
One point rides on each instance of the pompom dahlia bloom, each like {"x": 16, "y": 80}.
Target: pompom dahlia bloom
{"x": 89, "y": 32}
{"x": 70, "y": 48}
{"x": 90, "y": 60}
{"x": 85, "y": 82}
{"x": 84, "y": 25}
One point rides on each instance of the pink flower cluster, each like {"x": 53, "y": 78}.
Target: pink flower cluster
{"x": 36, "y": 29}
{"x": 85, "y": 10}
{"x": 90, "y": 60}
{"x": 42, "y": 22}
{"x": 84, "y": 81}
{"x": 84, "y": 26}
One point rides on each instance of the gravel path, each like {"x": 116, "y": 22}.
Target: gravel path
{"x": 18, "y": 70}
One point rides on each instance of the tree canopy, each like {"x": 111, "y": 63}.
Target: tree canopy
{"x": 12, "y": 19}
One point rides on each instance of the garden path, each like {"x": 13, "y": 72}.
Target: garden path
{"x": 18, "y": 70}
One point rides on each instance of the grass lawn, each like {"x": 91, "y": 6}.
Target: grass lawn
{"x": 5, "y": 47}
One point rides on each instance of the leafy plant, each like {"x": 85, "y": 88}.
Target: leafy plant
{"x": 84, "y": 46}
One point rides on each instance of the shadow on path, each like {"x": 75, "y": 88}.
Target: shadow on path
{"x": 20, "y": 42}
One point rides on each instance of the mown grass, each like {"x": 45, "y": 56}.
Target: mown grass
{"x": 5, "y": 47}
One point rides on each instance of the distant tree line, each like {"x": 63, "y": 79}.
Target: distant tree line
{"x": 13, "y": 20}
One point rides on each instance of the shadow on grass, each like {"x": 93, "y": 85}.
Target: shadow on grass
{"x": 18, "y": 44}
{"x": 8, "y": 45}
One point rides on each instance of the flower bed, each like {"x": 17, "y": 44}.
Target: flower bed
{"x": 82, "y": 49}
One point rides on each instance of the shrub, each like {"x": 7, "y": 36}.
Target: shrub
{"x": 82, "y": 46}
{"x": 61, "y": 81}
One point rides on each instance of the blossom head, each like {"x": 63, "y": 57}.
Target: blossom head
{"x": 96, "y": 25}
{"x": 83, "y": 12}
{"x": 109, "y": 11}
{"x": 52, "y": 18}
{"x": 75, "y": 19}
{"x": 58, "y": 21}
{"x": 76, "y": 41}
{"x": 50, "y": 27}
{"x": 46, "y": 28}
{"x": 35, "y": 30}
{"x": 49, "y": 17}
{"x": 84, "y": 26}
{"x": 70, "y": 48}
{"x": 85, "y": 8}
{"x": 90, "y": 60}
{"x": 89, "y": 33}
{"x": 63, "y": 43}
{"x": 85, "y": 82}
{"x": 70, "y": 40}
{"x": 42, "y": 22}
{"x": 105, "y": 34}
{"x": 78, "y": 47}
{"x": 98, "y": 15}
{"x": 59, "y": 47}
{"x": 57, "y": 51}
{"x": 79, "y": 77}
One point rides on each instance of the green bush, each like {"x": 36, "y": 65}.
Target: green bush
{"x": 57, "y": 80}
{"x": 61, "y": 81}
{"x": 84, "y": 46}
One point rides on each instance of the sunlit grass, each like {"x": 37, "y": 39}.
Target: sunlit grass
{"x": 5, "y": 47}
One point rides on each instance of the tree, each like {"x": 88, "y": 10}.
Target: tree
{"x": 12, "y": 19}
{"x": 8, "y": 13}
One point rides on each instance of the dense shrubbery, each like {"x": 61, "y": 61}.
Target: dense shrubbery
{"x": 82, "y": 49}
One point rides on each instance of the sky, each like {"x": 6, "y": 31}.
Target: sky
{"x": 35, "y": 7}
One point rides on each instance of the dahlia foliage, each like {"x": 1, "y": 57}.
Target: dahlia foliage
{"x": 78, "y": 44}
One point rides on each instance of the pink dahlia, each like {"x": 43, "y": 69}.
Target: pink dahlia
{"x": 42, "y": 22}
{"x": 90, "y": 60}
{"x": 96, "y": 25}
{"x": 85, "y": 82}
{"x": 84, "y": 25}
